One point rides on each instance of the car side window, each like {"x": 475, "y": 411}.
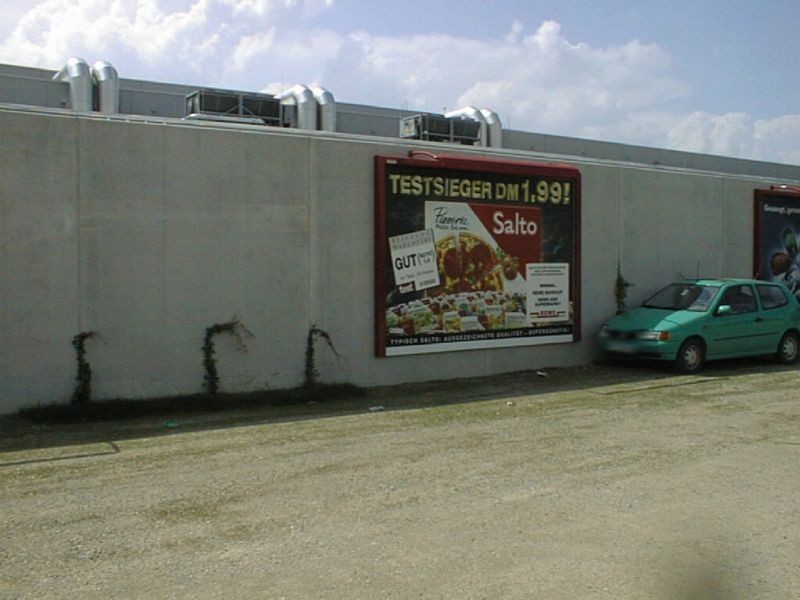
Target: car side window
{"x": 771, "y": 296}
{"x": 740, "y": 298}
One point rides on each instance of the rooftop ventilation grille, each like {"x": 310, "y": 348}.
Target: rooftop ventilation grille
{"x": 438, "y": 128}
{"x": 258, "y": 109}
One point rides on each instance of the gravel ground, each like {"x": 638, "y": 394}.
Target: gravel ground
{"x": 594, "y": 482}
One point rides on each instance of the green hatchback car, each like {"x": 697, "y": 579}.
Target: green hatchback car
{"x": 690, "y": 322}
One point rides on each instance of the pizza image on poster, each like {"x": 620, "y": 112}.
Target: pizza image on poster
{"x": 503, "y": 247}
{"x": 479, "y": 250}
{"x": 480, "y": 246}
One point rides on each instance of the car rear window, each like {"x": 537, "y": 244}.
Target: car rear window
{"x": 771, "y": 296}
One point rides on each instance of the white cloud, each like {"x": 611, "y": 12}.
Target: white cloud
{"x": 543, "y": 82}
{"x": 276, "y": 8}
{"x": 540, "y": 81}
{"x": 537, "y": 81}
{"x": 714, "y": 134}
{"x": 516, "y": 29}
{"x": 155, "y": 39}
{"x": 52, "y": 31}
{"x": 256, "y": 7}
{"x": 251, "y": 46}
{"x": 778, "y": 139}
{"x": 737, "y": 134}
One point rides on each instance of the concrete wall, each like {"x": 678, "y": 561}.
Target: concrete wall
{"x": 150, "y": 231}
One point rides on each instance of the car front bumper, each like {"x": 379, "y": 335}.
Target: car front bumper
{"x": 652, "y": 349}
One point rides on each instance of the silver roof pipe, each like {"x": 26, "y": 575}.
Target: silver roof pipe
{"x": 327, "y": 108}
{"x": 77, "y": 73}
{"x": 107, "y": 80}
{"x": 470, "y": 112}
{"x": 495, "y": 127}
{"x": 303, "y": 98}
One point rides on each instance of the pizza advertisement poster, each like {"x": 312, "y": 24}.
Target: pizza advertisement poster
{"x": 776, "y": 252}
{"x": 474, "y": 253}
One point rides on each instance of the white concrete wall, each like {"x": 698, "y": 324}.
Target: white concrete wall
{"x": 149, "y": 232}
{"x": 39, "y": 267}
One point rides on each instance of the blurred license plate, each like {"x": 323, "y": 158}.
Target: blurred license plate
{"x": 620, "y": 347}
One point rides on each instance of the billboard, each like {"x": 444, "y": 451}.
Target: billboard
{"x": 777, "y": 237}
{"x": 474, "y": 253}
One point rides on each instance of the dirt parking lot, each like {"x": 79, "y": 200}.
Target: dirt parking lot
{"x": 591, "y": 482}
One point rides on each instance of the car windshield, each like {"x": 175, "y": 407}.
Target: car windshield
{"x": 683, "y": 296}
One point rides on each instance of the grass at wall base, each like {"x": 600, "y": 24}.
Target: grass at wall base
{"x": 82, "y": 394}
{"x": 81, "y": 409}
{"x": 234, "y": 328}
{"x": 621, "y": 286}
{"x": 125, "y": 409}
{"x": 311, "y": 373}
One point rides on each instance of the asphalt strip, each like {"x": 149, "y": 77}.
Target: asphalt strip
{"x": 625, "y": 388}
{"x": 41, "y": 455}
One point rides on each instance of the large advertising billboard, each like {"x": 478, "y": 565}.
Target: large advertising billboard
{"x": 474, "y": 253}
{"x": 776, "y": 252}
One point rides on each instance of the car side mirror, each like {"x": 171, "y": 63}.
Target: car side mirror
{"x": 724, "y": 309}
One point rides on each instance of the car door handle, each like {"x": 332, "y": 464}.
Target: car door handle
{"x": 759, "y": 319}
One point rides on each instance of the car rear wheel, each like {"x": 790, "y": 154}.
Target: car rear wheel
{"x": 690, "y": 357}
{"x": 788, "y": 348}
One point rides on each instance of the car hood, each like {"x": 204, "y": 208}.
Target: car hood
{"x": 638, "y": 319}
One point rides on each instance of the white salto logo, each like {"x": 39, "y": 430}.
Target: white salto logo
{"x": 519, "y": 225}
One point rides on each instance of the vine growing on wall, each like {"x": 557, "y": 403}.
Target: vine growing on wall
{"x": 311, "y": 368}
{"x": 235, "y": 328}
{"x": 621, "y": 286}
{"x": 83, "y": 380}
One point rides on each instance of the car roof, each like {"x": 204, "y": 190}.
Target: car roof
{"x": 720, "y": 281}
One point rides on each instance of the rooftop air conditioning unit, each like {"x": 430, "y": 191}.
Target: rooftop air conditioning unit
{"x": 257, "y": 109}
{"x": 438, "y": 128}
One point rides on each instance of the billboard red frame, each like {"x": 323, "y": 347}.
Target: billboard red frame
{"x": 469, "y": 303}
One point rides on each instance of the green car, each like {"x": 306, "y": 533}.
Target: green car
{"x": 689, "y": 322}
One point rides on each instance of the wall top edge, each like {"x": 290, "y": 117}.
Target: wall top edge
{"x": 401, "y": 145}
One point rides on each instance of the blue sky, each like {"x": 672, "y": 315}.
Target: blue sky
{"x": 706, "y": 76}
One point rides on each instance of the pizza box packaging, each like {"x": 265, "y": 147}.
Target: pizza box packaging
{"x": 516, "y": 320}
{"x": 470, "y": 323}
{"x": 451, "y": 321}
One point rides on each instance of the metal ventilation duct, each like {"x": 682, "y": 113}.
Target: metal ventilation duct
{"x": 302, "y": 97}
{"x": 491, "y": 133}
{"x": 76, "y": 72}
{"x": 494, "y": 126}
{"x": 327, "y": 109}
{"x": 107, "y": 80}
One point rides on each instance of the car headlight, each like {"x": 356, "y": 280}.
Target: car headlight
{"x": 656, "y": 336}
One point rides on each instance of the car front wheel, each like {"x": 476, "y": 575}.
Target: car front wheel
{"x": 788, "y": 348}
{"x": 690, "y": 357}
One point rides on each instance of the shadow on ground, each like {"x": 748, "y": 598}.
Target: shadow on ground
{"x": 50, "y": 428}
